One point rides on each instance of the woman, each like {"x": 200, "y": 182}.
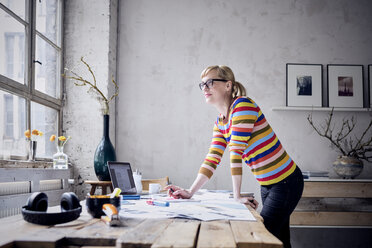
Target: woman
{"x": 243, "y": 128}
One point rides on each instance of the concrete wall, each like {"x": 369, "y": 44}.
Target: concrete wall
{"x": 90, "y": 31}
{"x": 165, "y": 127}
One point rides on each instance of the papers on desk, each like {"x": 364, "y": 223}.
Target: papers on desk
{"x": 206, "y": 207}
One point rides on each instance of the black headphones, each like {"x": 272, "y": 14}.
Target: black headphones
{"x": 37, "y": 204}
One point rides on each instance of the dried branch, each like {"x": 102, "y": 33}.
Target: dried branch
{"x": 90, "y": 70}
{"x": 346, "y": 124}
{"x": 327, "y": 131}
{"x": 116, "y": 90}
{"x": 93, "y": 86}
{"x": 348, "y": 146}
{"x": 361, "y": 138}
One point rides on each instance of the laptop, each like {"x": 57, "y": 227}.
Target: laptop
{"x": 122, "y": 177}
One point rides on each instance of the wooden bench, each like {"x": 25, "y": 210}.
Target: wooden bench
{"x": 334, "y": 202}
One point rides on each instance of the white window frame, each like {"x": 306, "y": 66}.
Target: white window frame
{"x": 27, "y": 90}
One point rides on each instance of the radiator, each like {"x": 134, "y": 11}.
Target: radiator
{"x": 14, "y": 188}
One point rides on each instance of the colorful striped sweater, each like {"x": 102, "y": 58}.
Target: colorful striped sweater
{"x": 250, "y": 138}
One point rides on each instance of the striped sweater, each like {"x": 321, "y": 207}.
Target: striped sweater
{"x": 250, "y": 138}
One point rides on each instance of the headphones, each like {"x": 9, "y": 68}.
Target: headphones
{"x": 35, "y": 209}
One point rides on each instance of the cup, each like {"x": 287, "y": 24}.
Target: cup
{"x": 138, "y": 182}
{"x": 154, "y": 188}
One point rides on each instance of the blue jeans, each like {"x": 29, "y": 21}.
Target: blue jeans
{"x": 279, "y": 200}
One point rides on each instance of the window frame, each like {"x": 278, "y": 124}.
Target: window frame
{"x": 27, "y": 89}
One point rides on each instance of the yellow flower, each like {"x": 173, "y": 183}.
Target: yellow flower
{"x": 35, "y": 132}
{"x": 41, "y": 133}
{"x": 62, "y": 138}
{"x": 28, "y": 134}
{"x": 52, "y": 138}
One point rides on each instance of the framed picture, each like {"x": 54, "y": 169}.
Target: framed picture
{"x": 345, "y": 86}
{"x": 370, "y": 84}
{"x": 304, "y": 85}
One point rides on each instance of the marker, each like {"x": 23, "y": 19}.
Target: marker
{"x": 115, "y": 193}
{"x": 171, "y": 193}
{"x": 158, "y": 203}
{"x": 131, "y": 197}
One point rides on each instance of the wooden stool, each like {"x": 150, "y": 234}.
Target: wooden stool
{"x": 103, "y": 184}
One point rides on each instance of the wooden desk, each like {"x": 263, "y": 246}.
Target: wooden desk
{"x": 86, "y": 231}
{"x": 335, "y": 202}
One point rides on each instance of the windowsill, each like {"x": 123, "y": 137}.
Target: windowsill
{"x": 25, "y": 164}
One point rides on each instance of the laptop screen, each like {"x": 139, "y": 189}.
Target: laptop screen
{"x": 122, "y": 177}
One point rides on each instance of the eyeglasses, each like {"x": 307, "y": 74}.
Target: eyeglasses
{"x": 209, "y": 83}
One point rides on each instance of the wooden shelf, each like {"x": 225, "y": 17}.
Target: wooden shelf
{"x": 331, "y": 218}
{"x": 285, "y": 108}
{"x": 340, "y": 180}
{"x": 347, "y": 189}
{"x": 334, "y": 203}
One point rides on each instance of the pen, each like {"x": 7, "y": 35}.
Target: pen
{"x": 158, "y": 203}
{"x": 171, "y": 193}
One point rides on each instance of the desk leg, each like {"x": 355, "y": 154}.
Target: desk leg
{"x": 93, "y": 189}
{"x": 104, "y": 190}
{"x": 111, "y": 188}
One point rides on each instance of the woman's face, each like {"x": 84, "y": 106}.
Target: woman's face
{"x": 218, "y": 91}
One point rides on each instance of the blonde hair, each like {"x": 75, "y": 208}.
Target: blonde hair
{"x": 224, "y": 72}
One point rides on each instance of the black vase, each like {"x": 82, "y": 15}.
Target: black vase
{"x": 104, "y": 152}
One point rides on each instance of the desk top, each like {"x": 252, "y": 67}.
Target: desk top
{"x": 86, "y": 231}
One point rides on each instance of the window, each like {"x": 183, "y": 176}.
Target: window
{"x": 14, "y": 55}
{"x": 9, "y": 122}
{"x": 30, "y": 74}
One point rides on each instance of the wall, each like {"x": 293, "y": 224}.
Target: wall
{"x": 91, "y": 32}
{"x": 164, "y": 126}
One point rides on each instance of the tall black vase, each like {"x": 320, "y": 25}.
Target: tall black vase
{"x": 104, "y": 152}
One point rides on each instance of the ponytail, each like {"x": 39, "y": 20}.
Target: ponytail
{"x": 238, "y": 90}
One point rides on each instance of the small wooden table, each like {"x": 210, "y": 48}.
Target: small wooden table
{"x": 103, "y": 184}
{"x": 86, "y": 231}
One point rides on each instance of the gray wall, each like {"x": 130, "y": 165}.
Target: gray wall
{"x": 164, "y": 126}
{"x": 91, "y": 32}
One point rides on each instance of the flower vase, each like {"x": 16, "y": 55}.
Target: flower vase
{"x": 60, "y": 159}
{"x": 32, "y": 151}
{"x": 348, "y": 167}
{"x": 104, "y": 152}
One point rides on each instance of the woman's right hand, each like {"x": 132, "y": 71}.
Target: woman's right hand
{"x": 248, "y": 201}
{"x": 178, "y": 192}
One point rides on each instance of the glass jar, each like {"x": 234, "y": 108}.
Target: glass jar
{"x": 60, "y": 159}
{"x": 32, "y": 151}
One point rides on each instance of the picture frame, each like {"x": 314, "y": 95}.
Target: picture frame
{"x": 345, "y": 86}
{"x": 304, "y": 83}
{"x": 370, "y": 84}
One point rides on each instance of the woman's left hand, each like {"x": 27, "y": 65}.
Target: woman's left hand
{"x": 248, "y": 201}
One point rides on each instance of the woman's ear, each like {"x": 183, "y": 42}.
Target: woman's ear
{"x": 228, "y": 85}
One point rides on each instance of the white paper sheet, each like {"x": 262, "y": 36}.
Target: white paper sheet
{"x": 205, "y": 206}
